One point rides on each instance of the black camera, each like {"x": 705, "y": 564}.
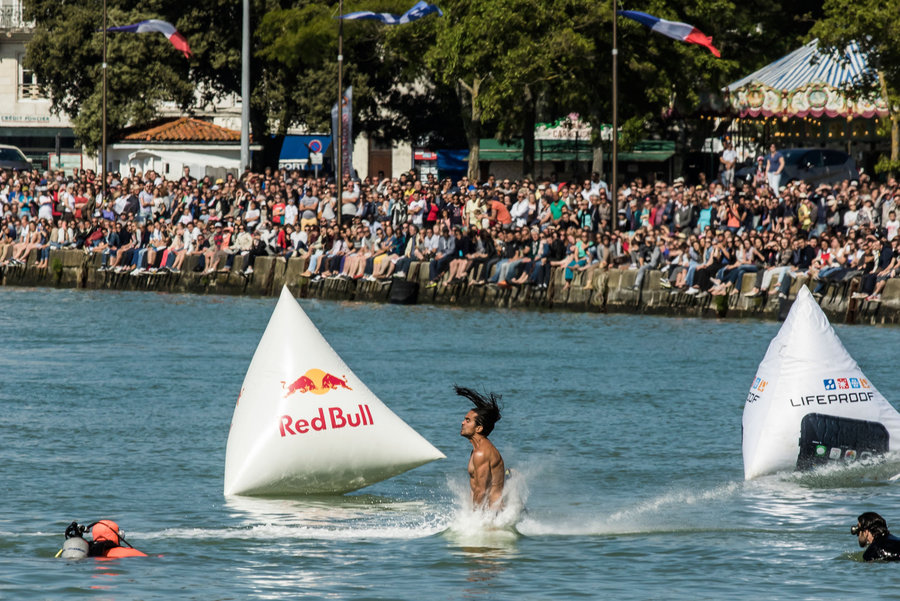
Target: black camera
{"x": 854, "y": 530}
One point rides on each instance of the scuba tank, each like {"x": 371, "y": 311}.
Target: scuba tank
{"x": 75, "y": 546}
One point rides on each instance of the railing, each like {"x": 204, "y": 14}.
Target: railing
{"x": 30, "y": 91}
{"x": 11, "y": 16}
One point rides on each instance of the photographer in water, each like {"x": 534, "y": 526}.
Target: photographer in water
{"x": 873, "y": 533}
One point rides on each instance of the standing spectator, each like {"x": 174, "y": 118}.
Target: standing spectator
{"x": 727, "y": 161}
{"x": 774, "y": 167}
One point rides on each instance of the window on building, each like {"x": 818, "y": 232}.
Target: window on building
{"x": 28, "y": 83}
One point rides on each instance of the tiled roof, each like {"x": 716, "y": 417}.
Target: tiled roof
{"x": 185, "y": 129}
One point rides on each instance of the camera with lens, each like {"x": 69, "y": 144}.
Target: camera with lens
{"x": 854, "y": 530}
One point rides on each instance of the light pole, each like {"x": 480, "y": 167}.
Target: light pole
{"x": 613, "y": 187}
{"x": 245, "y": 89}
{"x": 339, "y": 168}
{"x": 103, "y": 116}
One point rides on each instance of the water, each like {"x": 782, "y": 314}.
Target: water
{"x": 624, "y": 432}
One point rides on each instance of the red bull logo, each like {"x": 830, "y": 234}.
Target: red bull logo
{"x": 315, "y": 381}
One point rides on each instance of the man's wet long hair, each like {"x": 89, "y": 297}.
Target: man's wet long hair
{"x": 874, "y": 523}
{"x": 486, "y": 409}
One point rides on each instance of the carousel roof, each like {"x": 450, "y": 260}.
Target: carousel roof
{"x": 808, "y": 81}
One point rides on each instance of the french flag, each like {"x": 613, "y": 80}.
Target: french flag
{"x": 163, "y": 27}
{"x": 672, "y": 29}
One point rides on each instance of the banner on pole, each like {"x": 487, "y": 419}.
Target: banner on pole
{"x": 346, "y": 144}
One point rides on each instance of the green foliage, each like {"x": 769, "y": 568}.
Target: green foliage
{"x": 56, "y": 267}
{"x": 874, "y": 26}
{"x": 886, "y": 166}
{"x": 67, "y": 55}
{"x": 486, "y": 68}
{"x": 870, "y": 23}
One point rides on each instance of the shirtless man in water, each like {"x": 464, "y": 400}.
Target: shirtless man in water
{"x": 486, "y": 470}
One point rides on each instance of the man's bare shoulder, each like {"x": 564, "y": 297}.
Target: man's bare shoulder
{"x": 485, "y": 450}
{"x": 489, "y": 452}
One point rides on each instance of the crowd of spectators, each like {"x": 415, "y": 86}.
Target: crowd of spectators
{"x": 703, "y": 237}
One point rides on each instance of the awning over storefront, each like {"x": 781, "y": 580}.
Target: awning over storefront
{"x": 807, "y": 82}
{"x": 649, "y": 151}
{"x": 544, "y": 150}
{"x": 569, "y": 150}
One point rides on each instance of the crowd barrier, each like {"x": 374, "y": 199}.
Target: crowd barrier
{"x": 598, "y": 291}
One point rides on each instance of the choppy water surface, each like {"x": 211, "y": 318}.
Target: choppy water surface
{"x": 624, "y": 432}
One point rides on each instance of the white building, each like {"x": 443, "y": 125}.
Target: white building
{"x": 26, "y": 122}
{"x": 169, "y": 146}
{"x": 25, "y": 117}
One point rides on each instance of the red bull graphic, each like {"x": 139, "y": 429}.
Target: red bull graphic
{"x": 337, "y": 418}
{"x": 315, "y": 381}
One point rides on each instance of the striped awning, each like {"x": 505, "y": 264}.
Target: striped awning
{"x": 806, "y": 82}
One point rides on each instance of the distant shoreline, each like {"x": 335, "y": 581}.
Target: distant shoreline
{"x": 607, "y": 291}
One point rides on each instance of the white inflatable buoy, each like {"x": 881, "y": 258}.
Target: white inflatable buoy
{"x": 305, "y": 424}
{"x": 809, "y": 403}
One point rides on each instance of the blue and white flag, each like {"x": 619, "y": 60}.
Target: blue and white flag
{"x": 421, "y": 9}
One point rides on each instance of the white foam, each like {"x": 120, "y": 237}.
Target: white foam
{"x": 482, "y": 527}
{"x": 274, "y": 532}
{"x": 640, "y": 518}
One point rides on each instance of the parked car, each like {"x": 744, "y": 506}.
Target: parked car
{"x": 13, "y": 158}
{"x": 812, "y": 165}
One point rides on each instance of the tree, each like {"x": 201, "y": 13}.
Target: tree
{"x": 544, "y": 61}
{"x": 873, "y": 26}
{"x": 393, "y": 99}
{"x": 66, "y": 53}
{"x": 500, "y": 57}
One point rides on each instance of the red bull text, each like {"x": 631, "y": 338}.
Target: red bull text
{"x": 337, "y": 418}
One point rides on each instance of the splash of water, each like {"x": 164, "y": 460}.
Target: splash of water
{"x": 673, "y": 511}
{"x": 877, "y": 471}
{"x": 472, "y": 526}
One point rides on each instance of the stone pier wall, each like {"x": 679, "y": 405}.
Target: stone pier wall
{"x": 601, "y": 291}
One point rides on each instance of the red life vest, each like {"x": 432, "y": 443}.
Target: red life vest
{"x": 105, "y": 542}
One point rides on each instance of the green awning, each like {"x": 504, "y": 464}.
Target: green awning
{"x": 544, "y": 150}
{"x": 645, "y": 151}
{"x": 649, "y": 151}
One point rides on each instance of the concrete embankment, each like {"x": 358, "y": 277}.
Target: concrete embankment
{"x": 601, "y": 291}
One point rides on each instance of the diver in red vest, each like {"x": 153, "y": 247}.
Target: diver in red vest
{"x": 106, "y": 542}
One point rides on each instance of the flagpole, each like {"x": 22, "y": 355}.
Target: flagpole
{"x": 103, "y": 117}
{"x": 245, "y": 88}
{"x": 614, "y": 197}
{"x": 339, "y": 168}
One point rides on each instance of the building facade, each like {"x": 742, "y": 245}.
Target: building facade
{"x": 25, "y": 117}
